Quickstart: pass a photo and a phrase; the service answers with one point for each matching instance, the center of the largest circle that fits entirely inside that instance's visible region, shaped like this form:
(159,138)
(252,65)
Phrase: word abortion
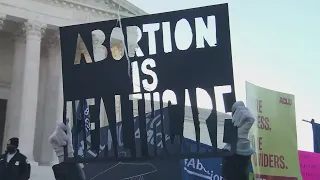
(204,33)
(183,36)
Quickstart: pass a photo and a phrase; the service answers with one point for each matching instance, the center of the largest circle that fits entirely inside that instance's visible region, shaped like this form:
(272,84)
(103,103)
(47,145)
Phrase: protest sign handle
(311,122)
(306,121)
(229,99)
(65,148)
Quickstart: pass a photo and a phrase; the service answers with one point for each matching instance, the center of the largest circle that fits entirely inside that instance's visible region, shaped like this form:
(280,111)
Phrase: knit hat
(14,141)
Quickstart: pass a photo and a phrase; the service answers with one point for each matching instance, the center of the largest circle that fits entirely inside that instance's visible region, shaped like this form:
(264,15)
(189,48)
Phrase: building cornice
(134,9)
(106,8)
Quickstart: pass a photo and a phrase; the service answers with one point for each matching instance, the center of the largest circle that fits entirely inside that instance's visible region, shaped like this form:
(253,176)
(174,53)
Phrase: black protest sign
(155,170)
(153,128)
(151,169)
(163,59)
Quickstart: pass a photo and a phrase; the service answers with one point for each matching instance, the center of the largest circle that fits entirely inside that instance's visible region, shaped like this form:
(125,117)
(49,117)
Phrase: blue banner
(83,126)
(316,136)
(201,169)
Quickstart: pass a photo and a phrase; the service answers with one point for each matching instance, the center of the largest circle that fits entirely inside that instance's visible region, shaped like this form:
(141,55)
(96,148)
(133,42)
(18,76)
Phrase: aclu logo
(286,101)
(195,167)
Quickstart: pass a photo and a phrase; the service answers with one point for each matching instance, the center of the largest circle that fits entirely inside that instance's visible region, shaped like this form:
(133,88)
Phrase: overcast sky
(275,44)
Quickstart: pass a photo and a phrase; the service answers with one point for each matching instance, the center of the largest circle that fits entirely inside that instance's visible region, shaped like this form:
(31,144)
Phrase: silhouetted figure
(236,167)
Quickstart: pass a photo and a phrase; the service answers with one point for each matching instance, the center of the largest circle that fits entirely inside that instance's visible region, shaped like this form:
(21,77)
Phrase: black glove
(67,171)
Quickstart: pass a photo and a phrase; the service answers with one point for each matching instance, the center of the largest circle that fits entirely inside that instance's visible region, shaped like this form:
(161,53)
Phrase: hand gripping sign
(180,52)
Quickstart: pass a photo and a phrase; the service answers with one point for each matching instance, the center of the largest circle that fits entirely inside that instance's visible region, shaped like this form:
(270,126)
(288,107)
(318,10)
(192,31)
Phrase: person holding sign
(59,138)
(236,167)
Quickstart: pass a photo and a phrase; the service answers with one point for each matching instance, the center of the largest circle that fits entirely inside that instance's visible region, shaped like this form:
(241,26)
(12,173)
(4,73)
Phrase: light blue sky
(275,44)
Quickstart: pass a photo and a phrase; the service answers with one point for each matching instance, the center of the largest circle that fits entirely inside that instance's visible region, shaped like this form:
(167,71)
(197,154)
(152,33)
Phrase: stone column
(53,109)
(132,50)
(12,125)
(99,53)
(43,76)
(98,50)
(34,32)
(132,41)
(2,19)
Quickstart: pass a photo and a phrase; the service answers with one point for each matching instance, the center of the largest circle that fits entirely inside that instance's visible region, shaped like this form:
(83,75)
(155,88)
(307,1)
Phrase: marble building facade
(30,65)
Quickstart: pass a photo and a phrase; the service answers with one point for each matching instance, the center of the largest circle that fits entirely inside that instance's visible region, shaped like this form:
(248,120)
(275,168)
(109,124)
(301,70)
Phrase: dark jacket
(17,168)
(68,171)
(236,167)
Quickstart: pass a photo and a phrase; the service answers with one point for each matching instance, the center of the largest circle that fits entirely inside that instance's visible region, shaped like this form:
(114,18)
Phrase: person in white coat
(236,167)
(64,171)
